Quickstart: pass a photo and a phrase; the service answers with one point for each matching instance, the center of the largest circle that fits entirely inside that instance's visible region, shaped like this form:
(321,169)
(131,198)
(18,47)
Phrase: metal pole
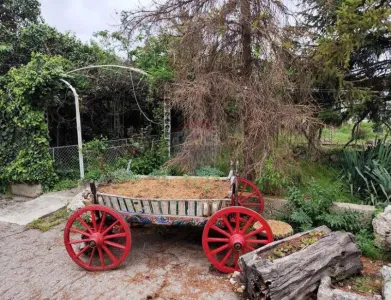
(78,125)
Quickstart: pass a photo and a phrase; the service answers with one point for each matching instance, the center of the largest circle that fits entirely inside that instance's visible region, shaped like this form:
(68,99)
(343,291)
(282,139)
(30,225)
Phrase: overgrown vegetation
(315,209)
(366,241)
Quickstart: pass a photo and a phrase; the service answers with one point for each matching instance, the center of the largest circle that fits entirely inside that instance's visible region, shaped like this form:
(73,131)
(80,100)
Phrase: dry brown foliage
(233,76)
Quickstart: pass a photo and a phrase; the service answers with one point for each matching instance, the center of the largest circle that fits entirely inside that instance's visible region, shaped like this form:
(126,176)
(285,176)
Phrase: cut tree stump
(292,268)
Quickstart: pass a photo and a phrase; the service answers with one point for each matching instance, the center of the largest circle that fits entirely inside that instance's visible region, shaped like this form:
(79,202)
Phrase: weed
(49,221)
(64,184)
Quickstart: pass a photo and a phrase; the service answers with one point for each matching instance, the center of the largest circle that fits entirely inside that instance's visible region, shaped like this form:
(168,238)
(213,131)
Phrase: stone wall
(274,206)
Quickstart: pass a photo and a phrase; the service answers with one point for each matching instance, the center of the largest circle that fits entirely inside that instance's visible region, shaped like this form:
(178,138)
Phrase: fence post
(78,125)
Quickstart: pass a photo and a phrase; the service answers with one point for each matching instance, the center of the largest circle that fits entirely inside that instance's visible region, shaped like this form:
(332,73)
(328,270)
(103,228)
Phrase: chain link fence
(66,158)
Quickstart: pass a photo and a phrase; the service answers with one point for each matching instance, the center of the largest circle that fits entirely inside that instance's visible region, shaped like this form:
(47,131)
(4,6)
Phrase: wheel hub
(237,241)
(237,246)
(96,239)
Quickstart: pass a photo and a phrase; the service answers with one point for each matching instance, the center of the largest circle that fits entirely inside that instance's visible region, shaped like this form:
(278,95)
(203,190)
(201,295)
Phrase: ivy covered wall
(24,144)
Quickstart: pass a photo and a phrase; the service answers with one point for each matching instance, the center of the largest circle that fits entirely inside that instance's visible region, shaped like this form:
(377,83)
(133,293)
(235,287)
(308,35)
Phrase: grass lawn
(342,134)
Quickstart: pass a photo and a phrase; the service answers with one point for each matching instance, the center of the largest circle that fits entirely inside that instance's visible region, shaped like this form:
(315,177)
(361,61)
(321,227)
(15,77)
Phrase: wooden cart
(98,236)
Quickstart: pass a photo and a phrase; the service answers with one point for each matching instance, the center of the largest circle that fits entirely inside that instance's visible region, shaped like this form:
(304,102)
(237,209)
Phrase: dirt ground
(35,265)
(368,283)
(186,188)
(5,201)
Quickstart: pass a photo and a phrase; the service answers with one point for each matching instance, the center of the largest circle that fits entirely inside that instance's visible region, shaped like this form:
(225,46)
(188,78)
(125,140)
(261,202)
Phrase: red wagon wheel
(249,195)
(94,245)
(232,232)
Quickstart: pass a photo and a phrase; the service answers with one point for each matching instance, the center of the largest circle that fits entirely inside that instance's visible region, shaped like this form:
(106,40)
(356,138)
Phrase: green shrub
(315,210)
(93,174)
(117,176)
(151,159)
(273,181)
(94,152)
(64,184)
(209,171)
(362,133)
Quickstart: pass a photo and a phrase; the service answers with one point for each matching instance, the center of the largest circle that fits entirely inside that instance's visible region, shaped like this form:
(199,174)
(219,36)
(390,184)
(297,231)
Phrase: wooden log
(271,275)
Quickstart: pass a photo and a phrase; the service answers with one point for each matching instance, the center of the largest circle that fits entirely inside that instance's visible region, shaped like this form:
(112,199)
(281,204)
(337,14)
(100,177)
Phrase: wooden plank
(205,209)
(137,206)
(100,200)
(181,208)
(114,203)
(215,207)
(146,206)
(190,208)
(129,205)
(173,207)
(121,203)
(164,206)
(107,201)
(155,207)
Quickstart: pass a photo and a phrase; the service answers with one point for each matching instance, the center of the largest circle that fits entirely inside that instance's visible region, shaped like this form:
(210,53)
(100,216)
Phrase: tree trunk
(297,275)
(245,21)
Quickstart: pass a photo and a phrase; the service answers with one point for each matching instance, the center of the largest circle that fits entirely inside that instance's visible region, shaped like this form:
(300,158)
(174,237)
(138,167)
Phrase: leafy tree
(351,46)
(14,15)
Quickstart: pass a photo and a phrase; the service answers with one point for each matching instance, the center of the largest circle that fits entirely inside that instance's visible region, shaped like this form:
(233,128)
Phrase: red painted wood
(229,234)
(246,191)
(97,247)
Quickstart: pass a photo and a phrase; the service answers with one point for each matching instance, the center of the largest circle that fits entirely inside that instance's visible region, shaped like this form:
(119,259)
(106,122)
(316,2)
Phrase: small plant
(369,173)
(207,188)
(366,241)
(64,184)
(208,171)
(117,176)
(95,151)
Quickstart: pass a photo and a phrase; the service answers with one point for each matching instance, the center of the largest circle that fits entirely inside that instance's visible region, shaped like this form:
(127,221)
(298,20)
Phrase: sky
(84,17)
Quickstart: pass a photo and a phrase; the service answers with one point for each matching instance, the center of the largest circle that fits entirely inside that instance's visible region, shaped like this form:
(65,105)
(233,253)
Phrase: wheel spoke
(102,261)
(78,241)
(249,222)
(224,260)
(249,247)
(262,242)
(91,257)
(102,222)
(73,229)
(86,226)
(116,235)
(219,230)
(259,230)
(236,259)
(226,223)
(211,239)
(110,227)
(251,204)
(93,220)
(247,197)
(82,251)
(115,245)
(110,254)
(217,250)
(237,225)
(243,189)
